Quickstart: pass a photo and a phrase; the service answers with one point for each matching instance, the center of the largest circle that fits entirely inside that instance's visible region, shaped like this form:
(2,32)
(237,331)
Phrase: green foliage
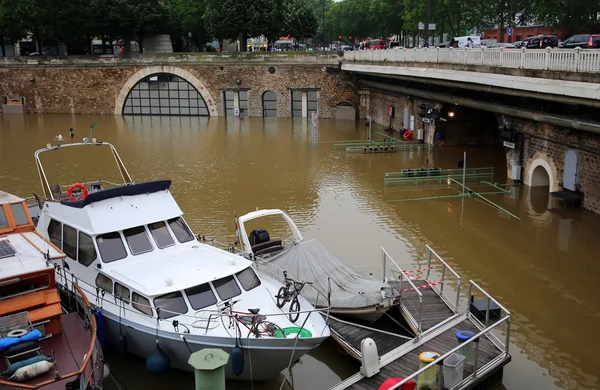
(299,19)
(576,16)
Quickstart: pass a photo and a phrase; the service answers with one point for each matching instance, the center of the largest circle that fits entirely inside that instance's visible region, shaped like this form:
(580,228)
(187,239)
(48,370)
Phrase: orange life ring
(84,192)
(407,135)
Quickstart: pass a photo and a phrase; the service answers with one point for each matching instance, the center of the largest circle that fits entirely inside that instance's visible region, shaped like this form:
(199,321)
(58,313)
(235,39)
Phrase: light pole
(324,24)
(427,23)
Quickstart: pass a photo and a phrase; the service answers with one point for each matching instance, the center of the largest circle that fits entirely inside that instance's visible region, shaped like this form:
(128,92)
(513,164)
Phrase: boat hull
(264,358)
(367,314)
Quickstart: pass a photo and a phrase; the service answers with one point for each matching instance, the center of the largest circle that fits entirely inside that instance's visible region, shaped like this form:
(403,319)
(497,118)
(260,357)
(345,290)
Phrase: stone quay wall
(88,87)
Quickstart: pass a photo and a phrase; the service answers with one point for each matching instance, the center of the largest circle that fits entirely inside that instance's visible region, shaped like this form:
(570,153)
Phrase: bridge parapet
(564,60)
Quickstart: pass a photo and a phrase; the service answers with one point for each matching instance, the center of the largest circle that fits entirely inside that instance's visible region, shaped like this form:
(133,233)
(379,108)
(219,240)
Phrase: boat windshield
(201,296)
(227,288)
(170,305)
(111,247)
(180,230)
(248,279)
(161,234)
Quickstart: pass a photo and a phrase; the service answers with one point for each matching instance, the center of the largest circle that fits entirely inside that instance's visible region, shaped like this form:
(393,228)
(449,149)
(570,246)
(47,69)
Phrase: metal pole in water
(209,368)
(370,127)
(464,171)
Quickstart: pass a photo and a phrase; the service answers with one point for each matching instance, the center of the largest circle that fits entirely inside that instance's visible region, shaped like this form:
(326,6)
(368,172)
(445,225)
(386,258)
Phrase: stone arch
(150,70)
(268,100)
(344,110)
(541,171)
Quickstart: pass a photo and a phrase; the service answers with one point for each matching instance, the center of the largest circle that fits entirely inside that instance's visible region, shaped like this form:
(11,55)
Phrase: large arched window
(164,94)
(269,102)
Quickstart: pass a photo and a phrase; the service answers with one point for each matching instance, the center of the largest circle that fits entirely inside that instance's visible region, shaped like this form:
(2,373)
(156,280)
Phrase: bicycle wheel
(294,310)
(269,329)
(281,297)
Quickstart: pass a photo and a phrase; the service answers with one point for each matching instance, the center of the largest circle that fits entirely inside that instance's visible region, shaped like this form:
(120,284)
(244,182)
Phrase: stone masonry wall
(379,103)
(93,89)
(551,143)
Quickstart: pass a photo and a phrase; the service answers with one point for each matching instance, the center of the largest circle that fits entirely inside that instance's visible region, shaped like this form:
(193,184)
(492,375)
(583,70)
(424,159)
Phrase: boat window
(19,213)
(111,247)
(70,242)
(86,253)
(161,234)
(180,230)
(141,303)
(3,219)
(227,288)
(105,283)
(20,286)
(122,292)
(248,279)
(170,305)
(201,296)
(55,233)
(138,240)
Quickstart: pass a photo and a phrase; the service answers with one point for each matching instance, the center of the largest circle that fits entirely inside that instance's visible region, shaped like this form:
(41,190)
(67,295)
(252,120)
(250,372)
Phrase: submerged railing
(571,60)
(453,302)
(436,175)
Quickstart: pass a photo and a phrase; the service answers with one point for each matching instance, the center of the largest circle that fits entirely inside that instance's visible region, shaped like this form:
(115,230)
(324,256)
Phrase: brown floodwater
(543,268)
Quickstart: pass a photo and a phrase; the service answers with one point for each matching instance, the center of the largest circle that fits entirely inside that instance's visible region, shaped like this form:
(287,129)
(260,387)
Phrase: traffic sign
(509,31)
(431,26)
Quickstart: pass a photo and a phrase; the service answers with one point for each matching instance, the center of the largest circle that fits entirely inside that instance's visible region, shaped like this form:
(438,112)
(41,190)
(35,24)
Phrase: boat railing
(195,321)
(477,371)
(91,358)
(485,310)
(436,266)
(403,281)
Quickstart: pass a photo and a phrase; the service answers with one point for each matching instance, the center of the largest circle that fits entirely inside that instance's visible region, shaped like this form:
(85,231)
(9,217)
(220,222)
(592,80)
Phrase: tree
(143,17)
(190,17)
(299,19)
(12,27)
(389,14)
(576,16)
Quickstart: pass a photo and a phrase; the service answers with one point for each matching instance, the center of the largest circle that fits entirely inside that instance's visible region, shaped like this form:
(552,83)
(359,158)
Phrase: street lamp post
(324,24)
(427,22)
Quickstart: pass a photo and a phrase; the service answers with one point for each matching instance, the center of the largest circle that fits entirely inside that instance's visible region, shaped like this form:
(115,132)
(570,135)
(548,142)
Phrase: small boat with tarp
(45,342)
(351,294)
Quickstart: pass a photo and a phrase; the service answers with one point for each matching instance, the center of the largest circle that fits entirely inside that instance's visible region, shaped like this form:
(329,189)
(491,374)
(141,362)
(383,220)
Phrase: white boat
(351,294)
(159,288)
(44,346)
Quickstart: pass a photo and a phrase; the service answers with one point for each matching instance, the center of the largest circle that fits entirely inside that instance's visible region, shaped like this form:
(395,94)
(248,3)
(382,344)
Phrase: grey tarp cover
(310,261)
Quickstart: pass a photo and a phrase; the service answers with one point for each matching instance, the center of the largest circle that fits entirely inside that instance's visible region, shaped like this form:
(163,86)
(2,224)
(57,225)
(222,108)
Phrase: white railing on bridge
(571,60)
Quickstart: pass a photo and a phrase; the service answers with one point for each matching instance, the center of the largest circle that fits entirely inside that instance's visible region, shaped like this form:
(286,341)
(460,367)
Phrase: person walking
(469,43)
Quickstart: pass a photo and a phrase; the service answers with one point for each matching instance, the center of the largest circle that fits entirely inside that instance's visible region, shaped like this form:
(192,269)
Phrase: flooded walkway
(544,268)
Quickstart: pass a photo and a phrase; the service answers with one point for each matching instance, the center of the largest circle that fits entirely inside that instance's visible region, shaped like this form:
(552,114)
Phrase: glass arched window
(269,102)
(164,94)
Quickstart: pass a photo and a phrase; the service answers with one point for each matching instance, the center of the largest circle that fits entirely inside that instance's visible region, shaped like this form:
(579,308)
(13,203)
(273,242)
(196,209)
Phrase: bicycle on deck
(288,293)
(256,324)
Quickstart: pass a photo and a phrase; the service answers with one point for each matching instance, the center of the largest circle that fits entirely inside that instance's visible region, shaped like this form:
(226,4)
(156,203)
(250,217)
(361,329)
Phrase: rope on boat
(289,368)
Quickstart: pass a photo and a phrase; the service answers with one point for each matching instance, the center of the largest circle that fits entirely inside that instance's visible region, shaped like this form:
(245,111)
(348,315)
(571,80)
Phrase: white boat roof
(117,213)
(192,266)
(6,198)
(29,254)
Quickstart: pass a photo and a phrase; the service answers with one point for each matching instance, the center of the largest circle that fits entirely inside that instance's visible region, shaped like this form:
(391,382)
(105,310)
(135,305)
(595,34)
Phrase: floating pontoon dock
(435,310)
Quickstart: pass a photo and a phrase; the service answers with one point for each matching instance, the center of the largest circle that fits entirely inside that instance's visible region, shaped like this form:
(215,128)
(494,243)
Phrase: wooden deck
(351,335)
(434,310)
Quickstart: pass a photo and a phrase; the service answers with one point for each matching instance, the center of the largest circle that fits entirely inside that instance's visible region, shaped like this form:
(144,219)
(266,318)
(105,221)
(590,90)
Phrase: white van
(462,41)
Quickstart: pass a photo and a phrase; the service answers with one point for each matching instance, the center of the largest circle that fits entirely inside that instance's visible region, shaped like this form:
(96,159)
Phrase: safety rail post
(577,58)
(487,313)
(428,262)
(457,297)
(476,341)
(383,262)
(507,336)
(419,329)
(547,58)
(443,280)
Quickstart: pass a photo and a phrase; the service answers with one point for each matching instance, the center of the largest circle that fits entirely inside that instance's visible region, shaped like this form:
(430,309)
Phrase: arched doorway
(150,71)
(570,173)
(344,110)
(540,177)
(164,94)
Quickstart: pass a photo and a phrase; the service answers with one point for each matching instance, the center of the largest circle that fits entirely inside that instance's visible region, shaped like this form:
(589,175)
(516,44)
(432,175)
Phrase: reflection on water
(543,267)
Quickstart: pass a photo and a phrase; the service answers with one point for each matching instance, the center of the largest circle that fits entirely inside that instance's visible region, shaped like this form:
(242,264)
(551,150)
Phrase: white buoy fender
(31,371)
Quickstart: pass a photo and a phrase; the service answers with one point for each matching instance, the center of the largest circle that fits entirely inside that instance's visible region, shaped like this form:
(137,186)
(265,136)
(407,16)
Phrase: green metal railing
(436,175)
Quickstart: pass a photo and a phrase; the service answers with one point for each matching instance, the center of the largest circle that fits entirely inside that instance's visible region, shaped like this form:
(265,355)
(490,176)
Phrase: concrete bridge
(541,104)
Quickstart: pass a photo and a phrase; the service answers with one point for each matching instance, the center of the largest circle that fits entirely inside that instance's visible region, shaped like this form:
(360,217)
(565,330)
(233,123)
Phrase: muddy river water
(544,267)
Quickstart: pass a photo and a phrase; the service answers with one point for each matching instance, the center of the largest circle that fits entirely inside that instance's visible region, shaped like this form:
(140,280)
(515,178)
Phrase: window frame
(112,287)
(170,313)
(117,294)
(255,275)
(136,305)
(25,214)
(102,257)
(76,247)
(147,239)
(79,248)
(217,288)
(168,231)
(210,288)
(59,244)
(184,225)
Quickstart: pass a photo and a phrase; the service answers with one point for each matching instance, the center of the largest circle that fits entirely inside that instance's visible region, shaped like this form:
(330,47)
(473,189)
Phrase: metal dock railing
(435,309)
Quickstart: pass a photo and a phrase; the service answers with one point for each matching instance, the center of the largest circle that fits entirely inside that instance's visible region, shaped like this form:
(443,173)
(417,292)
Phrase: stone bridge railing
(570,60)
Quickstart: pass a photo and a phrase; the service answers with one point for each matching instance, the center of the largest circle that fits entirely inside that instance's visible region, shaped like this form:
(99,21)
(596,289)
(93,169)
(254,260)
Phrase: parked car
(540,42)
(518,44)
(584,41)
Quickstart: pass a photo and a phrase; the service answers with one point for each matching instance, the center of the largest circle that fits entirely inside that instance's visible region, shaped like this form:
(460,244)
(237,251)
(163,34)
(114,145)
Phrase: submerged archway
(173,88)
